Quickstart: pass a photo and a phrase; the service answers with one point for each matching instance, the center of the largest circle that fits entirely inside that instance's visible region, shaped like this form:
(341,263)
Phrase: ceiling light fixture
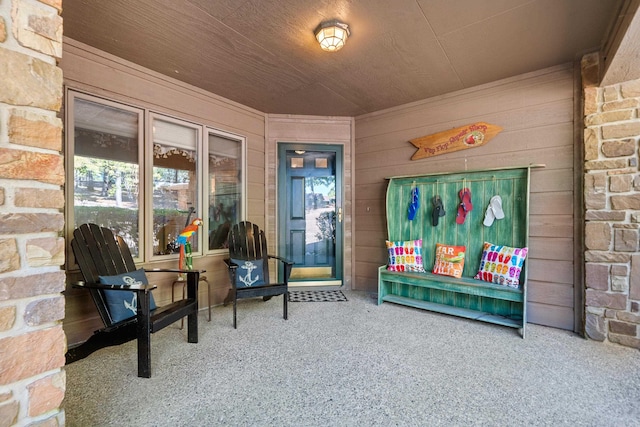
(332,35)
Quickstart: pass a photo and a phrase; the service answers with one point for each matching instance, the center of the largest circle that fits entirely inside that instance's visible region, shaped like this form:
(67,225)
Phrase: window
(106,173)
(174,182)
(147,186)
(225,187)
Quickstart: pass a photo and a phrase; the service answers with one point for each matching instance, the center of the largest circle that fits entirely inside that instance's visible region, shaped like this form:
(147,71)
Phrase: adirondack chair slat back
(248,242)
(99,253)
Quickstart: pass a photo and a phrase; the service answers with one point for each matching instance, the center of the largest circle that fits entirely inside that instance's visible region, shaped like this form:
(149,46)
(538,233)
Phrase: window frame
(148,184)
(207,185)
(146,116)
(71,97)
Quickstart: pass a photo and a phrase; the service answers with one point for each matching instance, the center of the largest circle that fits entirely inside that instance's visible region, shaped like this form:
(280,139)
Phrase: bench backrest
(512,185)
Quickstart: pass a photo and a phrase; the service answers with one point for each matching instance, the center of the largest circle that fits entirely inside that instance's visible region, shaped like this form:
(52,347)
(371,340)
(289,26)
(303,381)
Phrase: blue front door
(310,212)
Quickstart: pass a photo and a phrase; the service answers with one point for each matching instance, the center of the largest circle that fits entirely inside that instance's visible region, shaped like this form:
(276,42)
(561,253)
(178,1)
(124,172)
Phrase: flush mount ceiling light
(332,35)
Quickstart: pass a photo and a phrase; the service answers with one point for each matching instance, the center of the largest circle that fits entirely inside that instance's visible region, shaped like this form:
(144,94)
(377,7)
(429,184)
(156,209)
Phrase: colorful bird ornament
(184,240)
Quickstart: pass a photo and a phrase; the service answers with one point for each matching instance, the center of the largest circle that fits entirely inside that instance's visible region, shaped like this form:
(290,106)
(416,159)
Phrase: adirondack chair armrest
(82,284)
(173,270)
(284,260)
(192,279)
(233,265)
(288,266)
(230,264)
(189,273)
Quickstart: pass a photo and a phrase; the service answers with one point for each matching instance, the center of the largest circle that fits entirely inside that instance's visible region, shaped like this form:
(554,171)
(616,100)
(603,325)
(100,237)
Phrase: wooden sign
(448,141)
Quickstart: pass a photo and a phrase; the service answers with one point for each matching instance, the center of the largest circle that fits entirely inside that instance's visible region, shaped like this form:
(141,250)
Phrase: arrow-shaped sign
(448,141)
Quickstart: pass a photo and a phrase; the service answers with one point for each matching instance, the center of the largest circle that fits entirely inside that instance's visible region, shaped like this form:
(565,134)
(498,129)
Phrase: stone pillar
(612,204)
(32,342)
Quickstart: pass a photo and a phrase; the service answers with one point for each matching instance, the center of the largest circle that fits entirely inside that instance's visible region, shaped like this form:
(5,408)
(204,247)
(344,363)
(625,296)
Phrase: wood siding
(98,73)
(536,112)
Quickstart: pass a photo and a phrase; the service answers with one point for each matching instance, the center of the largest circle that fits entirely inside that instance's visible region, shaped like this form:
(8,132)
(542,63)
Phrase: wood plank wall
(98,73)
(536,112)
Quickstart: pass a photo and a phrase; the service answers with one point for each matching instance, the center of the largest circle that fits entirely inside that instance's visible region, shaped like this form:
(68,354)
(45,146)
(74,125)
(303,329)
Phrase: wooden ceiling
(263,54)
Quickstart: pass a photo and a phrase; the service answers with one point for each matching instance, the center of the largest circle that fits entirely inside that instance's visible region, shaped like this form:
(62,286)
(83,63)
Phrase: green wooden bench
(465,296)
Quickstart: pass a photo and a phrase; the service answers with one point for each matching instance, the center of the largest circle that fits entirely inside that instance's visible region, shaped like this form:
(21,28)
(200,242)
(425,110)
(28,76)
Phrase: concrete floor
(357,364)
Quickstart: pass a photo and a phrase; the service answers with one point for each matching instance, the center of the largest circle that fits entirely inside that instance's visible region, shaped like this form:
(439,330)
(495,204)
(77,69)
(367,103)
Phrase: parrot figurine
(184,240)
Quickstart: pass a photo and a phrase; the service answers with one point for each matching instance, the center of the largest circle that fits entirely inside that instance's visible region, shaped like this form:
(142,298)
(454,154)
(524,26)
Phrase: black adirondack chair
(248,252)
(98,252)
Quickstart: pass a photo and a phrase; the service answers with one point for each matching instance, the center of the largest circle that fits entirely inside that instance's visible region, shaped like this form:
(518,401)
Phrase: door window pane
(106,172)
(225,188)
(175,183)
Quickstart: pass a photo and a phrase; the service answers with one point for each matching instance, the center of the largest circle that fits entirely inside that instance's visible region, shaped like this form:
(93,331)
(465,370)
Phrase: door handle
(339,214)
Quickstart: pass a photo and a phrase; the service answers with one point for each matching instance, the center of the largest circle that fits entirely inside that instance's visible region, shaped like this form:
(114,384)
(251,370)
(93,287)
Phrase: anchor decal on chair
(247,280)
(133,305)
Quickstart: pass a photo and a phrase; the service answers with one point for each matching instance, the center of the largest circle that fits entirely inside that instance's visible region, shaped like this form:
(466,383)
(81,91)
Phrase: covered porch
(576,113)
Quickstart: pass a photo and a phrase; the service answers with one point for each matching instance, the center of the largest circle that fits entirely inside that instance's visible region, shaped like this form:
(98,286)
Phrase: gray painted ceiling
(263,54)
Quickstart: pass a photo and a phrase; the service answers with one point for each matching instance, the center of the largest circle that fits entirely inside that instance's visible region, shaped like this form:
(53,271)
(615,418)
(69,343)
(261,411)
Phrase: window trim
(70,99)
(148,183)
(207,185)
(145,163)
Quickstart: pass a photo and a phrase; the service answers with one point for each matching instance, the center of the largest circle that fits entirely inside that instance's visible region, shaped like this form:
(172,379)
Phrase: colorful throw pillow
(405,255)
(449,260)
(124,304)
(501,264)
(249,273)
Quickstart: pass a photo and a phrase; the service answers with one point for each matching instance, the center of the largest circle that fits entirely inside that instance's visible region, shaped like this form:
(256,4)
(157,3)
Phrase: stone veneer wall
(32,342)
(612,203)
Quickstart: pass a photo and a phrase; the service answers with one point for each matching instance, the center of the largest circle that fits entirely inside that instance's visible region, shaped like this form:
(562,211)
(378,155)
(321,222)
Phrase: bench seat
(463,297)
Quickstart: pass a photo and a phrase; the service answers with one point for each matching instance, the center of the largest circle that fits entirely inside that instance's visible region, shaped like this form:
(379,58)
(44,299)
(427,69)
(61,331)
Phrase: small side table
(183,282)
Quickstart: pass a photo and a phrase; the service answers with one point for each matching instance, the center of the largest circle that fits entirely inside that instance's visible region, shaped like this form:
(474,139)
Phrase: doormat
(316,296)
